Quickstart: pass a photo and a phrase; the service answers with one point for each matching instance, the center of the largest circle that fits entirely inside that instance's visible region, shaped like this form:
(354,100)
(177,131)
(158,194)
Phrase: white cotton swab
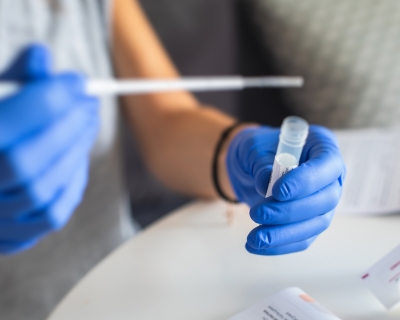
(101,87)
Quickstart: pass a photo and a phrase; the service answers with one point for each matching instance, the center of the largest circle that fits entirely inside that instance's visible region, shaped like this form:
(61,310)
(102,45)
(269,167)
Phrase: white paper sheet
(383,279)
(372,157)
(289,304)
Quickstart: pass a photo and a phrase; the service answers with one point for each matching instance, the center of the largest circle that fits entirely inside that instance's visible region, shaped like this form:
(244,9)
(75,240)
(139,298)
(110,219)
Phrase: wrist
(223,175)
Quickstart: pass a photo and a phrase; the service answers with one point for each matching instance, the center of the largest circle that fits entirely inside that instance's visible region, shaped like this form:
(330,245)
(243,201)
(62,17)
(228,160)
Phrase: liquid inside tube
(294,132)
(287,160)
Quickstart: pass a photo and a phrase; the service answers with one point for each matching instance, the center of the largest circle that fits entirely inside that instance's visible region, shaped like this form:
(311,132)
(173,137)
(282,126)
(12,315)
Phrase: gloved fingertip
(282,192)
(254,213)
(265,252)
(258,239)
(33,62)
(252,250)
(39,62)
(261,213)
(282,250)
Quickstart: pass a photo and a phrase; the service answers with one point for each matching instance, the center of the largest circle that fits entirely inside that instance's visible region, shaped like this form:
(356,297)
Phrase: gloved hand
(47,130)
(303,200)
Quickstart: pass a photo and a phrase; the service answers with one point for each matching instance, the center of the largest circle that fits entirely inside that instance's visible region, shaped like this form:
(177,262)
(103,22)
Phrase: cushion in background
(347,50)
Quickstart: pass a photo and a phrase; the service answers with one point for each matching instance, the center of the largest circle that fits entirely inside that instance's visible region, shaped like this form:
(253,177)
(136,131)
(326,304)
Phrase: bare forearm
(139,53)
(180,153)
(176,134)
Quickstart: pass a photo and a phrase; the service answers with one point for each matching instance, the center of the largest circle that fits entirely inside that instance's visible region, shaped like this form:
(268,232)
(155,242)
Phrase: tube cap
(294,131)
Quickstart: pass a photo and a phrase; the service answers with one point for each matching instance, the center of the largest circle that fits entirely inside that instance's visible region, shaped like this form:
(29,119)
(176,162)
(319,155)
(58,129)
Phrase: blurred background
(347,51)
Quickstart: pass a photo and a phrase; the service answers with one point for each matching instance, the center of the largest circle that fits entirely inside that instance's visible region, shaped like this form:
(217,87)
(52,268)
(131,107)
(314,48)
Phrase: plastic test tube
(294,132)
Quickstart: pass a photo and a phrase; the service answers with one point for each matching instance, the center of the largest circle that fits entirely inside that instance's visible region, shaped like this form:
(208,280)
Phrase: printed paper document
(372,184)
(383,279)
(289,304)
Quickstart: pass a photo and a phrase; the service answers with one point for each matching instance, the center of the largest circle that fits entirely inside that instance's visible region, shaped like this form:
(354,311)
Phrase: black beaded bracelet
(222,139)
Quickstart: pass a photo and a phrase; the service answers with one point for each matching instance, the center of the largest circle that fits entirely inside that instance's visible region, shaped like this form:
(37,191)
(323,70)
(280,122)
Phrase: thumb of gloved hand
(249,162)
(32,63)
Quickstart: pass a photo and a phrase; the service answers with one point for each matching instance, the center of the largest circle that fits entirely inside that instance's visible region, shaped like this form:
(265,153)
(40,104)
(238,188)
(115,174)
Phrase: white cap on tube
(294,131)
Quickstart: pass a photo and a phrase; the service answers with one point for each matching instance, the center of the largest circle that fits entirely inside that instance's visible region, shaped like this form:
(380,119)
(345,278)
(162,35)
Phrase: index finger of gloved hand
(33,62)
(273,212)
(323,165)
(286,249)
(36,105)
(264,236)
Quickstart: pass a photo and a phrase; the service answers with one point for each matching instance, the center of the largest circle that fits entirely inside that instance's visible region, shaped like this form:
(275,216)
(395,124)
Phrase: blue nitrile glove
(47,130)
(303,200)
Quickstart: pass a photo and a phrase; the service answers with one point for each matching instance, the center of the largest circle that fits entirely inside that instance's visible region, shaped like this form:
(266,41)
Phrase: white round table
(193,265)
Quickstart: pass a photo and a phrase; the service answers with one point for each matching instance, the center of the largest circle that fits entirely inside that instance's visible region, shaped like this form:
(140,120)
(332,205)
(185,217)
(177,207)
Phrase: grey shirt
(32,283)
